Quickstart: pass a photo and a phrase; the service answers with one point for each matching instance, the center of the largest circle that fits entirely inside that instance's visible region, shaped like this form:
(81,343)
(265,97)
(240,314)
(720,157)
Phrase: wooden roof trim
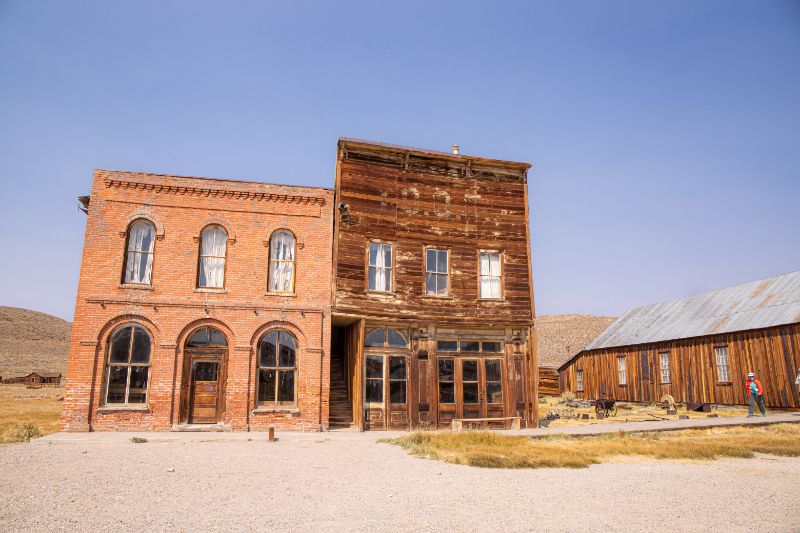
(214,192)
(345,142)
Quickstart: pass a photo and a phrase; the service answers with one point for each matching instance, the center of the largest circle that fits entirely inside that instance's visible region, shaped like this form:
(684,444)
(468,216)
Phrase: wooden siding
(414,210)
(548,381)
(773,354)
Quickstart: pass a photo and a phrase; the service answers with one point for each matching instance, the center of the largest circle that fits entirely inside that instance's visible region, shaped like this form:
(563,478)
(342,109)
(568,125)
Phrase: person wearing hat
(754,392)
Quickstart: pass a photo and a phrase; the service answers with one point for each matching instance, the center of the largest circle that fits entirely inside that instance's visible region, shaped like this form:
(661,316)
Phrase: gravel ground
(345,482)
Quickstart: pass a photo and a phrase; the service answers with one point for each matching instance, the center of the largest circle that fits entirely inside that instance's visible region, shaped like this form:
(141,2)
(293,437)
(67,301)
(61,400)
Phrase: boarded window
(128,368)
(644,364)
(380,267)
(622,374)
(277,365)
(447,394)
(723,367)
(664,360)
(436,272)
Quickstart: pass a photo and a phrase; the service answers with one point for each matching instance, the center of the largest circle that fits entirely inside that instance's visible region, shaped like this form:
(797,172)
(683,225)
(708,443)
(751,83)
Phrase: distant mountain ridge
(32,341)
(562,336)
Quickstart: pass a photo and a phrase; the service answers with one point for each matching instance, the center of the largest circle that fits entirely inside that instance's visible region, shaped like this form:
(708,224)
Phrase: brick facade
(171,307)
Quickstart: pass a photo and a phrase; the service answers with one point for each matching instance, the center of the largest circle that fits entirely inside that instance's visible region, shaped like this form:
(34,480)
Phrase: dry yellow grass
(19,406)
(492,450)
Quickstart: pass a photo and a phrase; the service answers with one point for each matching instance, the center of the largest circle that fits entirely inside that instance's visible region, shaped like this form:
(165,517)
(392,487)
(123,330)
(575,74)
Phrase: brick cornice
(212,192)
(168,302)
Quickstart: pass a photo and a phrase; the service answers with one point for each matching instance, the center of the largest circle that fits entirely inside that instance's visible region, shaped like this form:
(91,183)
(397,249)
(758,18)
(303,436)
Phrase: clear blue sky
(665,136)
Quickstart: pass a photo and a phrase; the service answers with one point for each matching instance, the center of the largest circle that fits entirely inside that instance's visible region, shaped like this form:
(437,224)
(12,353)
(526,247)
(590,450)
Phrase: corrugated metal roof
(761,304)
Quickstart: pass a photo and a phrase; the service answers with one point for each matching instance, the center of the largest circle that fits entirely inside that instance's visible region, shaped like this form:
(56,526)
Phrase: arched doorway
(204,371)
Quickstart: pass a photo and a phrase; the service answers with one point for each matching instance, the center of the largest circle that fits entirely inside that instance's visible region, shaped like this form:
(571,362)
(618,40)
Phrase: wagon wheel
(598,407)
(611,409)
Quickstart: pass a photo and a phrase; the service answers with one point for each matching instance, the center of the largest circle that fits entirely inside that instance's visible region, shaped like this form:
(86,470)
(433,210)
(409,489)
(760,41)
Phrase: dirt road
(345,482)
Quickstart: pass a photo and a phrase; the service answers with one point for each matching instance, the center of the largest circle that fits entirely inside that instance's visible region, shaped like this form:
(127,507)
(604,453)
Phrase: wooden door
(472,401)
(204,397)
(386,397)
(397,391)
(375,392)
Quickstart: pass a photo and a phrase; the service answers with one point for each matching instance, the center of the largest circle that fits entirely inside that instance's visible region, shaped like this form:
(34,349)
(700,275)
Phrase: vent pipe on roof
(455,149)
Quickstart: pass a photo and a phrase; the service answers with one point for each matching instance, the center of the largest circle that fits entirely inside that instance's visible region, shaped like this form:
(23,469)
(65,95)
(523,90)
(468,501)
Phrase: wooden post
(271,437)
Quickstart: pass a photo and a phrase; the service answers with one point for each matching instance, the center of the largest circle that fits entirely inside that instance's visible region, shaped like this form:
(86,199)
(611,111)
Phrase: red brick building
(201,301)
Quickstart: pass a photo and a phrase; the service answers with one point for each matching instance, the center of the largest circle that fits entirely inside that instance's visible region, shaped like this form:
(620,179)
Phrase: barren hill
(562,336)
(32,341)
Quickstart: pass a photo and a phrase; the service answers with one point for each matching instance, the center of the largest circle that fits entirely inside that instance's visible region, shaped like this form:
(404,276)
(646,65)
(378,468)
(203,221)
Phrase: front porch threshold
(201,428)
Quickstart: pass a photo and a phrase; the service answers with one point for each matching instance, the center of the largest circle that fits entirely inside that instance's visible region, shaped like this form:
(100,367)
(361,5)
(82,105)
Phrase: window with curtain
(380,267)
(622,374)
(128,367)
(281,262)
(723,367)
(436,272)
(139,252)
(664,360)
(491,275)
(213,244)
(277,365)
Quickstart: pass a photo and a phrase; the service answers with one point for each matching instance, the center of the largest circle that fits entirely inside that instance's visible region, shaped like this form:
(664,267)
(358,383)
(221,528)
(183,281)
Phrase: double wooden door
(470,388)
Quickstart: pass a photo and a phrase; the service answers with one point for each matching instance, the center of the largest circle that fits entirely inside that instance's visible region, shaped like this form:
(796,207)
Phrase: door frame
(384,406)
(190,357)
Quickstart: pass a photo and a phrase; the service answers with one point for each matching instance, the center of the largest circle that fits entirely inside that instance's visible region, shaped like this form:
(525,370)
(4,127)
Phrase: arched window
(385,337)
(139,252)
(281,262)
(128,368)
(213,245)
(277,365)
(206,337)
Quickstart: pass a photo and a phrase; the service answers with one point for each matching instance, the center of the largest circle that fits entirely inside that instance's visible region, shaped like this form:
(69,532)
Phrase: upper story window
(385,338)
(491,275)
(437,268)
(213,248)
(380,267)
(281,262)
(723,366)
(128,366)
(139,253)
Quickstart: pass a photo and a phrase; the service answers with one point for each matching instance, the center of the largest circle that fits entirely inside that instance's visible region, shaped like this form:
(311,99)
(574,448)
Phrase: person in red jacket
(755,392)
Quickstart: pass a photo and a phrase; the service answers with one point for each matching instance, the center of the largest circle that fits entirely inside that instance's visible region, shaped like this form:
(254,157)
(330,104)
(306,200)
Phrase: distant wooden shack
(698,349)
(37,379)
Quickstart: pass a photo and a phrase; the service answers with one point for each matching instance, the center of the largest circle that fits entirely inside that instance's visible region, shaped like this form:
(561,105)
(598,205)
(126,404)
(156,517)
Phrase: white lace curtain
(139,263)
(214,240)
(281,262)
(380,267)
(490,275)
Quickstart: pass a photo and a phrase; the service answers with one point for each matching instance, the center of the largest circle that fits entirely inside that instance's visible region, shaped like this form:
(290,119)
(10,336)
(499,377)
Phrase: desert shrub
(138,440)
(23,432)
(568,396)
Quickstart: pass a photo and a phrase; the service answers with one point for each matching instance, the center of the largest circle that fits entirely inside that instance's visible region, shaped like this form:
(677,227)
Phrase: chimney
(455,149)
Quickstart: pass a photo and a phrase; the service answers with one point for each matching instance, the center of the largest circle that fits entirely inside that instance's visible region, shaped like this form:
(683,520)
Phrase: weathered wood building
(432,292)
(37,379)
(698,349)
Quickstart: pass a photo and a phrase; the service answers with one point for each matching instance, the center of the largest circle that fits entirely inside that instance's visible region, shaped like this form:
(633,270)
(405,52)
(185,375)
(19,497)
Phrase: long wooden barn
(698,349)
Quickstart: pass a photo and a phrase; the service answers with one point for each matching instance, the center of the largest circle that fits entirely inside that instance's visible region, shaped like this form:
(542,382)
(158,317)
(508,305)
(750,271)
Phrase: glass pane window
(579,380)
(664,362)
(446,381)
(382,337)
(213,248)
(139,252)
(470,346)
(622,373)
(490,275)
(447,346)
(380,267)
(395,339)
(374,388)
(281,262)
(723,368)
(207,337)
(376,337)
(397,379)
(277,366)
(491,346)
(494,380)
(469,381)
(436,272)
(128,367)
